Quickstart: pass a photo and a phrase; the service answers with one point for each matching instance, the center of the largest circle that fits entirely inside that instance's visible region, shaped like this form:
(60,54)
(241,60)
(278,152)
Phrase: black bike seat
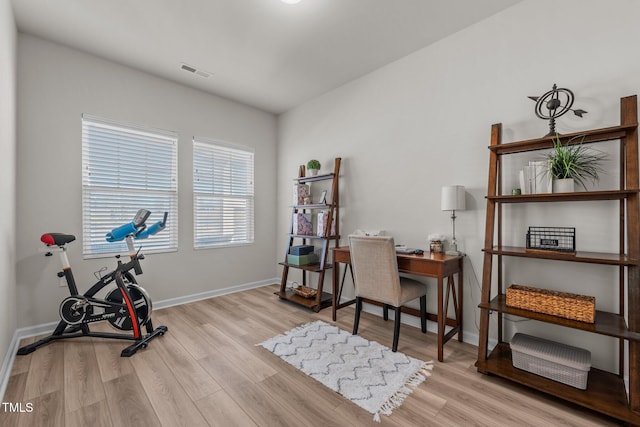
(58,239)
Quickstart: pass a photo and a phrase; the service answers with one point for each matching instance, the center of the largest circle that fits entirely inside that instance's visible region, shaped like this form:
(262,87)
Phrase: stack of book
(323,219)
(536,178)
(300,193)
(302,255)
(302,224)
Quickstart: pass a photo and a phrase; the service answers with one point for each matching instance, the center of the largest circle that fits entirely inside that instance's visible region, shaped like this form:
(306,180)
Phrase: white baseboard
(213,293)
(18,335)
(7,363)
(30,331)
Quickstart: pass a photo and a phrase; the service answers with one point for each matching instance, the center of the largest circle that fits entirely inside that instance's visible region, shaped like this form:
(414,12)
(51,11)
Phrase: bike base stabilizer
(85,332)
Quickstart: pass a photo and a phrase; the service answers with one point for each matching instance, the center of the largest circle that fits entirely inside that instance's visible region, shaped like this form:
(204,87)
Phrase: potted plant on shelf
(313,166)
(573,163)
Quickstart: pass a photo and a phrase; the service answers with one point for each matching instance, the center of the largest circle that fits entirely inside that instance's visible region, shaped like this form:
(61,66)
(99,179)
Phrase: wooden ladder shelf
(606,392)
(331,207)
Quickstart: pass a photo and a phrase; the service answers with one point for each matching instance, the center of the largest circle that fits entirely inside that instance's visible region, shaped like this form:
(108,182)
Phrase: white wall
(55,86)
(424,121)
(8,40)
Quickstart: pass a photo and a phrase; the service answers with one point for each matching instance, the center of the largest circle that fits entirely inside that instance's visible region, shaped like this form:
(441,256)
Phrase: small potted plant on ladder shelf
(573,163)
(313,166)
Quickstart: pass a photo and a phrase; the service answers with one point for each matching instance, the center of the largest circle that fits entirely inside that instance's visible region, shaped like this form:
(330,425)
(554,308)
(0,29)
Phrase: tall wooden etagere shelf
(332,207)
(606,392)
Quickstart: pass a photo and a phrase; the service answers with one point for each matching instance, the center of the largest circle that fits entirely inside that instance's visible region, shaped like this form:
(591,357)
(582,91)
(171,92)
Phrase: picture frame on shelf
(323,198)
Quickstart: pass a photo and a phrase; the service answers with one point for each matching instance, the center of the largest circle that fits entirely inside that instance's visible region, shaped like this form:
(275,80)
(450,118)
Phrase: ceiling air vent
(195,71)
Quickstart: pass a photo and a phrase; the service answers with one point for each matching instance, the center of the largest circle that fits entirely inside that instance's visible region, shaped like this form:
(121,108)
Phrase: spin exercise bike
(126,307)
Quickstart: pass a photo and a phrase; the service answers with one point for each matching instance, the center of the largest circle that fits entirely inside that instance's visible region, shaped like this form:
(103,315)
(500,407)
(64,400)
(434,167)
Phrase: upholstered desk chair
(375,268)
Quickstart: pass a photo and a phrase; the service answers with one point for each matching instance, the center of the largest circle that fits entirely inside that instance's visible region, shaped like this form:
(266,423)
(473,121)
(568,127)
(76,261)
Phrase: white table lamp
(453,200)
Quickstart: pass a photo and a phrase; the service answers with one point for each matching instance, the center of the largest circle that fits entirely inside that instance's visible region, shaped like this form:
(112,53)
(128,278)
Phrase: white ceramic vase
(565,185)
(312,172)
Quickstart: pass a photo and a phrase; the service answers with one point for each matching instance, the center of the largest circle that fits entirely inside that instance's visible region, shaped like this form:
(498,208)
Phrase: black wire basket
(558,239)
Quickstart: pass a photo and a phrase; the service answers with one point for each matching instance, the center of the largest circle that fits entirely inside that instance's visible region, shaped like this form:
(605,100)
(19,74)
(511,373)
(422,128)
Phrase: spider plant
(576,161)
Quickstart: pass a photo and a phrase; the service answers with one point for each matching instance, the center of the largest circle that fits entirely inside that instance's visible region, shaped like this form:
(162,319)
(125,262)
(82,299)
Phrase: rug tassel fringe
(398,397)
(306,325)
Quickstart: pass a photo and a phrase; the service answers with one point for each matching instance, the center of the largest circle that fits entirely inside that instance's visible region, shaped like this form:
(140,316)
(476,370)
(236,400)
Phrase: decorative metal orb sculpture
(555,103)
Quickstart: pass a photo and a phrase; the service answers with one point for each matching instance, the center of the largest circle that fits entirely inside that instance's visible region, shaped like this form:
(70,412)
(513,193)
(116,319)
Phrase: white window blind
(126,168)
(223,194)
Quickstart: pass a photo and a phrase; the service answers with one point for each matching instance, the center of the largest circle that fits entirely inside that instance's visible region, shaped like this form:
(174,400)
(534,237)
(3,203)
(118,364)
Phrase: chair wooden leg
(357,318)
(385,311)
(423,313)
(396,330)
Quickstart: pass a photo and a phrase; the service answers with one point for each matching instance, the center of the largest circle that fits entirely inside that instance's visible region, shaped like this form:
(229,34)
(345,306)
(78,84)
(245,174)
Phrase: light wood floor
(208,371)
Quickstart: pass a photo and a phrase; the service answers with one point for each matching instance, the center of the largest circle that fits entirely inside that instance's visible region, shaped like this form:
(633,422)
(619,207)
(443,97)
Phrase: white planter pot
(312,172)
(565,185)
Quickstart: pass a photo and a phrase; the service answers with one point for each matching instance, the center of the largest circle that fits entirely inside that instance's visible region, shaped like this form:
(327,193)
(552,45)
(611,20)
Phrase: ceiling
(264,53)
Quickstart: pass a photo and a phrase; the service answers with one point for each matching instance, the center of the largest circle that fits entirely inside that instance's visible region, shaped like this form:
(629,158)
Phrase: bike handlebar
(136,228)
(119,233)
(155,228)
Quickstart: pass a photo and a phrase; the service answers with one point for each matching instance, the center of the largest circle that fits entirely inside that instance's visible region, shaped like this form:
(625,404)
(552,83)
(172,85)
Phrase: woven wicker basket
(305,291)
(561,304)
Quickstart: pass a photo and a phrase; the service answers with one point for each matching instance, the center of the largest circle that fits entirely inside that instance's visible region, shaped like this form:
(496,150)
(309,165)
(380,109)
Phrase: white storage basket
(559,362)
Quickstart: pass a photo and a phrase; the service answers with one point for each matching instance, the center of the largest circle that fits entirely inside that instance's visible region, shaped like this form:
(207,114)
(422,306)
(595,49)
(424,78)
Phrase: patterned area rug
(365,372)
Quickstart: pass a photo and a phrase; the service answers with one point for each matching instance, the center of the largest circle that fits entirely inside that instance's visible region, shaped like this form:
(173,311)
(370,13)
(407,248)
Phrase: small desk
(439,266)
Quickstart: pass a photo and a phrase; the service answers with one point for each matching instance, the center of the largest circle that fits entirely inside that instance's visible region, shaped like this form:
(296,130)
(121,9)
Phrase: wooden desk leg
(441,317)
(460,307)
(334,290)
(457,307)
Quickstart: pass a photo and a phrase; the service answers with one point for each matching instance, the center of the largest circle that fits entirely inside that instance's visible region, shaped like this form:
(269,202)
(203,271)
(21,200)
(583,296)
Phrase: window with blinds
(126,168)
(223,194)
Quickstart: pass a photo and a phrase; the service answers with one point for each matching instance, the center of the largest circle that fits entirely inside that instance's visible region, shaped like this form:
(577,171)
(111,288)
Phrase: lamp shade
(452,198)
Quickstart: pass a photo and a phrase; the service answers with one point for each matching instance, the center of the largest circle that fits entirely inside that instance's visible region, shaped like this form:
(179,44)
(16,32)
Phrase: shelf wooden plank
(313,206)
(580,256)
(605,391)
(325,300)
(565,197)
(313,236)
(323,177)
(308,267)
(590,136)
(610,324)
